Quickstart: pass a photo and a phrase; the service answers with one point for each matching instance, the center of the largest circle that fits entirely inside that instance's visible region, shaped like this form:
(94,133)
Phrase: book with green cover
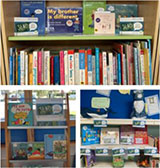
(89,7)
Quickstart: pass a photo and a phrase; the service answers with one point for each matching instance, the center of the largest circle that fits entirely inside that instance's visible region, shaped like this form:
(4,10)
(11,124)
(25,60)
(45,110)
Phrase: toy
(138,110)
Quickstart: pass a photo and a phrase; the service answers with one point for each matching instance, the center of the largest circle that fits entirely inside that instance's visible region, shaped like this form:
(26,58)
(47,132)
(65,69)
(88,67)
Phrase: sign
(85,151)
(101,151)
(100,123)
(126,140)
(139,123)
(118,151)
(133,151)
(150,151)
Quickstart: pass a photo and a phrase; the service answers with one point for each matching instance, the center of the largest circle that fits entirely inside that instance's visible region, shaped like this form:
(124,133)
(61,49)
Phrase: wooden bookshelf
(10,9)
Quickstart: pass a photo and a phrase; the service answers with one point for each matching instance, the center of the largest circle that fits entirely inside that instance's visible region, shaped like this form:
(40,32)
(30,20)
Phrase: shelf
(79,37)
(39,127)
(38,160)
(156,156)
(120,121)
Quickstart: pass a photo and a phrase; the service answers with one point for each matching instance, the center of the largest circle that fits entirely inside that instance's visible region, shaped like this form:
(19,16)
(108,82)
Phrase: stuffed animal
(138,110)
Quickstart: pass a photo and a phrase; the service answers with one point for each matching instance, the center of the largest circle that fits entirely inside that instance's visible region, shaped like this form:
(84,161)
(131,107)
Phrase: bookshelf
(30,134)
(11,9)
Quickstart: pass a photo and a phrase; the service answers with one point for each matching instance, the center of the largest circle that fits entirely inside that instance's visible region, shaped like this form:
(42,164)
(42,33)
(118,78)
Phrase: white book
(142,68)
(71,69)
(46,68)
(104,58)
(22,53)
(93,70)
(66,67)
(26,68)
(110,56)
(35,57)
(124,69)
(89,70)
(77,75)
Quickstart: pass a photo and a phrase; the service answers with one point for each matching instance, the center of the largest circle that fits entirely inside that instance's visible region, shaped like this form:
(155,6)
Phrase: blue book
(37,9)
(19,70)
(11,66)
(82,66)
(135,53)
(89,62)
(56,70)
(97,65)
(64,20)
(48,143)
(119,68)
(150,61)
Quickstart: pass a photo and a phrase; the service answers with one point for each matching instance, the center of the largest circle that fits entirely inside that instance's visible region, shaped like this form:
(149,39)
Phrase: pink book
(39,68)
(130,65)
(62,78)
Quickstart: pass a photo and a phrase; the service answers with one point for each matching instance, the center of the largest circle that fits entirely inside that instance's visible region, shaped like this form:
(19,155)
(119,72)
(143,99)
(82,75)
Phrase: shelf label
(150,151)
(118,151)
(139,123)
(100,123)
(133,151)
(85,151)
(101,151)
(126,140)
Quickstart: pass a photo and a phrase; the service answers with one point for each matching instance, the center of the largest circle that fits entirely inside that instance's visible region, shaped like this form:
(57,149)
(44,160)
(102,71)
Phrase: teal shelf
(79,37)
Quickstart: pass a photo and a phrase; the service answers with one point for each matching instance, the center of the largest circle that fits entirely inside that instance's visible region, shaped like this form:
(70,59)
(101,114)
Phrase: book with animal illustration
(48,143)
(20,114)
(60,149)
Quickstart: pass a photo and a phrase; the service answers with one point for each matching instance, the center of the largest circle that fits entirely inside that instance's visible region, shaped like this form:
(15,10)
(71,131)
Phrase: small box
(25,26)
(132,26)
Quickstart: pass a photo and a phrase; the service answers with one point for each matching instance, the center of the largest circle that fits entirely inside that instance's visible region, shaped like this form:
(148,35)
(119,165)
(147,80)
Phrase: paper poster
(152,105)
(104,92)
(100,102)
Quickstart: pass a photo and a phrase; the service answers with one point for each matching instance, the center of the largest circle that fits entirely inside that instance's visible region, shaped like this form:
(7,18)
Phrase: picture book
(141,136)
(110,136)
(64,20)
(35,9)
(19,151)
(104,23)
(59,149)
(35,150)
(48,142)
(20,114)
(90,135)
(90,160)
(126,134)
(122,10)
(89,9)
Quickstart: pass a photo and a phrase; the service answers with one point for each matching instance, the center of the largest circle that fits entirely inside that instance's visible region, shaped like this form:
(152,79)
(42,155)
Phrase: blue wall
(120,105)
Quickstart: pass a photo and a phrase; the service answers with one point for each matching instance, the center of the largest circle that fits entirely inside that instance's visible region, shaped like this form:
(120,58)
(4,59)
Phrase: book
(122,10)
(71,67)
(64,20)
(62,76)
(100,69)
(93,70)
(76,65)
(104,62)
(89,8)
(104,23)
(89,59)
(56,70)
(91,159)
(30,73)
(20,114)
(97,66)
(35,58)
(40,56)
(86,67)
(140,136)
(35,9)
(11,66)
(52,70)
(46,67)
(126,134)
(82,66)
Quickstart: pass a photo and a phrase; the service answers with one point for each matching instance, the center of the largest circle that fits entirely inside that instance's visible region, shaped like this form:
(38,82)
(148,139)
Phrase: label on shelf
(126,140)
(118,151)
(150,151)
(132,151)
(139,123)
(85,151)
(101,151)
(100,123)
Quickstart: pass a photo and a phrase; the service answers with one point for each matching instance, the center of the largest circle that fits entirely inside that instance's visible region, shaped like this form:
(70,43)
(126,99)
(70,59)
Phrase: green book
(89,7)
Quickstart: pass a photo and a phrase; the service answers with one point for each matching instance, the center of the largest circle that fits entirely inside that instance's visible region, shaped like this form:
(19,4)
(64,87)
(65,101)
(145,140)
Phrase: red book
(140,136)
(39,67)
(100,69)
(86,68)
(130,65)
(62,80)
(52,70)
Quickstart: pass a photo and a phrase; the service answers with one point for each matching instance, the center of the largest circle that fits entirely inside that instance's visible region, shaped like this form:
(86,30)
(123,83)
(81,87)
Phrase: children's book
(91,159)
(122,10)
(89,9)
(20,114)
(59,149)
(35,150)
(48,141)
(127,134)
(64,20)
(141,136)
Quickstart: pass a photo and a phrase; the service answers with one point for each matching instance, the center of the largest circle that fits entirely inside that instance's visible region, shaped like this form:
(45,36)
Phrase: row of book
(53,147)
(127,63)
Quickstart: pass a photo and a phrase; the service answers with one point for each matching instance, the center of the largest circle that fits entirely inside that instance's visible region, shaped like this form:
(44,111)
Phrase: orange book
(30,75)
(86,68)
(146,67)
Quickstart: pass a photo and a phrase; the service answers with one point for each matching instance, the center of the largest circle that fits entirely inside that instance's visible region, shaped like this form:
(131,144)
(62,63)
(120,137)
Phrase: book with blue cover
(97,65)
(48,141)
(64,20)
(56,70)
(30,8)
(12,50)
(20,114)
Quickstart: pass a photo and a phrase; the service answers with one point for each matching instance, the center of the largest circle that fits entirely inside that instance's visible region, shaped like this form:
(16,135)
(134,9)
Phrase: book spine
(104,69)
(100,69)
(110,55)
(93,70)
(16,68)
(46,67)
(139,67)
(86,68)
(150,61)
(71,67)
(124,70)
(35,68)
(119,68)
(146,65)
(89,62)
(97,65)
(11,66)
(39,67)
(82,66)
(56,70)
(136,66)
(30,80)
(19,70)
(22,67)
(42,63)
(142,67)
(77,75)
(130,65)
(114,71)
(52,70)
(62,77)
(66,67)
(26,68)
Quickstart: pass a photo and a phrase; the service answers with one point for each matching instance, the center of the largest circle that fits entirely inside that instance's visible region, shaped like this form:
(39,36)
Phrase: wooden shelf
(38,160)
(38,127)
(120,121)
(79,37)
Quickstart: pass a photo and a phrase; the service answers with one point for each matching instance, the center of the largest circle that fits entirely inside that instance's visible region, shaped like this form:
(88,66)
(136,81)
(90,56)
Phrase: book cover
(46,67)
(109,136)
(66,66)
(122,10)
(60,149)
(16,82)
(142,66)
(35,9)
(100,69)
(126,134)
(30,73)
(62,76)
(119,68)
(39,67)
(27,68)
(89,62)
(91,159)
(64,20)
(97,66)
(20,114)
(140,136)
(48,141)
(110,75)
(76,65)
(82,66)
(89,8)
(11,65)
(52,70)
(135,53)
(56,70)
(71,67)
(86,67)
(104,23)
(93,70)
(35,59)
(104,57)
(146,66)
(22,53)
(19,69)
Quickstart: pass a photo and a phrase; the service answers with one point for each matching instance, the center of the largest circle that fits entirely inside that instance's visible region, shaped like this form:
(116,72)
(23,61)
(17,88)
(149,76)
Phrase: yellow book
(146,67)
(30,75)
